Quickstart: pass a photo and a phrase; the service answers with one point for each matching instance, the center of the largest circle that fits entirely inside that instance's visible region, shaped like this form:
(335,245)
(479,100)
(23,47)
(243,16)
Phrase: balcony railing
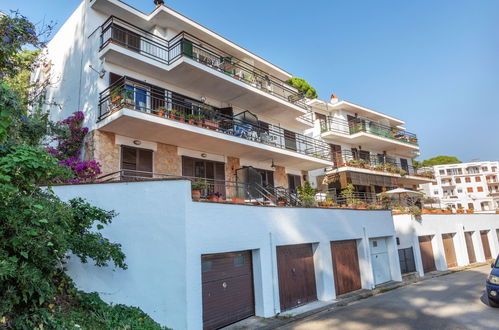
(118,32)
(364,125)
(124,93)
(382,163)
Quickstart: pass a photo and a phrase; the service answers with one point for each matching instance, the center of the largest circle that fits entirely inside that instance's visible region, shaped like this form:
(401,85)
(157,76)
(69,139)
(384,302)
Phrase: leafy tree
(37,229)
(303,86)
(438,160)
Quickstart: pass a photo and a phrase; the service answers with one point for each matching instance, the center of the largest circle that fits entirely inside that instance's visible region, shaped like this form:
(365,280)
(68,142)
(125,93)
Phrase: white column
(324,275)
(437,244)
(365,263)
(262,282)
(460,246)
(393,257)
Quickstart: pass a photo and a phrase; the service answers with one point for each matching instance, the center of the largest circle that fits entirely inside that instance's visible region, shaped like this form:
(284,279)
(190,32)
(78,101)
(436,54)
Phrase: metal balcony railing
(382,163)
(119,32)
(123,94)
(365,125)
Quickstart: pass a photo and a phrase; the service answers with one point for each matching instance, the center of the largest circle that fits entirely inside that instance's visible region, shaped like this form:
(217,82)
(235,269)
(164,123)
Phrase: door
(486,245)
(137,161)
(449,250)
(213,172)
(427,257)
(295,267)
(227,288)
(469,246)
(345,266)
(294,181)
(407,263)
(380,261)
(336,155)
(290,140)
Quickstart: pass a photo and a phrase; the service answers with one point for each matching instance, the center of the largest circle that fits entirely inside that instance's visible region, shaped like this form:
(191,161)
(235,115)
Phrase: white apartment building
(369,149)
(466,186)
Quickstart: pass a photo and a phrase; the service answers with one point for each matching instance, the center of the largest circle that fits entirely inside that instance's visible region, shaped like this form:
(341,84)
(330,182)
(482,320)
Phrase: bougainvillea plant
(70,140)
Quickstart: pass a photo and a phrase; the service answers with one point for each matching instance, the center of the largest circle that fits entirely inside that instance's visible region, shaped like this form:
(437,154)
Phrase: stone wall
(231,166)
(101,147)
(280,177)
(167,160)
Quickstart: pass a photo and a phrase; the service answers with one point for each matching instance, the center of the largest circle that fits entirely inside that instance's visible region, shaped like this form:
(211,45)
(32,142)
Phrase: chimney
(159,3)
(334,98)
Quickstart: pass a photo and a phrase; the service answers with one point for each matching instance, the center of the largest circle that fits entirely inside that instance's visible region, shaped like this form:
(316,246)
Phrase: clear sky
(431,63)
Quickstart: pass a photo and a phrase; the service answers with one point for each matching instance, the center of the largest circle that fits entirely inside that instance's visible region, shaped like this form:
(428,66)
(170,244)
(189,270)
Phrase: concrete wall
(164,234)
(408,230)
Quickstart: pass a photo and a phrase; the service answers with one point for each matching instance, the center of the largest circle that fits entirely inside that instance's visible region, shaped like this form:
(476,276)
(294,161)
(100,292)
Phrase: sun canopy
(402,192)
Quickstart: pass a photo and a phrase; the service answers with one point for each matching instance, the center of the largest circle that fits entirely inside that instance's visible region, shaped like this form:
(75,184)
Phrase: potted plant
(470,210)
(362,163)
(161,111)
(211,124)
(281,201)
(196,187)
(181,117)
(415,211)
(199,120)
(215,197)
(116,95)
(191,118)
(173,114)
(460,210)
(307,195)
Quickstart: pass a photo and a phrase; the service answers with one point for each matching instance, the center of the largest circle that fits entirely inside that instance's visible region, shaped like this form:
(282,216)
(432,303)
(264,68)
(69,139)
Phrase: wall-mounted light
(101,73)
(273,165)
(204,155)
(137,142)
(203,99)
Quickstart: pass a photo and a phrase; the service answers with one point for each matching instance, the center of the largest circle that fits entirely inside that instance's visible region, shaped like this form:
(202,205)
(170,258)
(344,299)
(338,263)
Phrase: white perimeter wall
(408,230)
(164,234)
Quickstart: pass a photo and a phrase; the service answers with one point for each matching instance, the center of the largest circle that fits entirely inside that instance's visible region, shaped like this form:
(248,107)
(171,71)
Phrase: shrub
(303,86)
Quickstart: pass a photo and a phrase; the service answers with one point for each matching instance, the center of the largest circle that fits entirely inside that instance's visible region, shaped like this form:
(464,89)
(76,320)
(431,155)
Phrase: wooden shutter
(187,166)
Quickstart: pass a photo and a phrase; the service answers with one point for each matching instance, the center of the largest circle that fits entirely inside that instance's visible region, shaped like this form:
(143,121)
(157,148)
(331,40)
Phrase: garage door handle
(224,285)
(293,270)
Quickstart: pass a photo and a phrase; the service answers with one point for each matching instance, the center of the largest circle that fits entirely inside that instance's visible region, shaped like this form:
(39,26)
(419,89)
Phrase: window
(294,181)
(473,170)
(494,169)
(435,192)
(477,179)
(137,161)
(442,172)
(467,180)
(480,189)
(459,190)
(485,169)
(458,180)
(469,189)
(470,206)
(459,206)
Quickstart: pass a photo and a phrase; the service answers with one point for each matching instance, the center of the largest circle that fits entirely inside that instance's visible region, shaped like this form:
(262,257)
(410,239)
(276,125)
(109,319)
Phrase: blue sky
(434,64)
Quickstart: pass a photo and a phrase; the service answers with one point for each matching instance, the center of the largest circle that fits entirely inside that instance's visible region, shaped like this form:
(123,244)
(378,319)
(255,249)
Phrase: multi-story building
(369,149)
(466,186)
(163,94)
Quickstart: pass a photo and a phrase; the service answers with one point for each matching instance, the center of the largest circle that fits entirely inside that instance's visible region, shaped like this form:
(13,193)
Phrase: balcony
(373,164)
(127,110)
(370,134)
(191,63)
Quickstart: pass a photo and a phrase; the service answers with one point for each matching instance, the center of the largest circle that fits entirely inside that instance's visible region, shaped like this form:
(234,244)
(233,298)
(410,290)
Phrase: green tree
(303,86)
(438,160)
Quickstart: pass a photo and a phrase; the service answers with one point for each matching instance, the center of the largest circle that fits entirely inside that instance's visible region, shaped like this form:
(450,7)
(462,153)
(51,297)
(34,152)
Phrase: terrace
(197,125)
(357,128)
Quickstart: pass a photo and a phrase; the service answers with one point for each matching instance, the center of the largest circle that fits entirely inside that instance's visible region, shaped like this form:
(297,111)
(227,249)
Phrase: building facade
(370,150)
(466,186)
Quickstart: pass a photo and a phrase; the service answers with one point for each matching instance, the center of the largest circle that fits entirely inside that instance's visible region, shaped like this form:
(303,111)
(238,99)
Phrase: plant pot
(196,195)
(181,119)
(199,124)
(161,113)
(281,203)
(116,99)
(425,211)
(469,211)
(213,125)
(213,198)
(190,121)
(447,212)
(238,200)
(171,116)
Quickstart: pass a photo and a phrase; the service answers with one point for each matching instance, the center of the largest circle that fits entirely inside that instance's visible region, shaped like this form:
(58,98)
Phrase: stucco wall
(164,234)
(408,230)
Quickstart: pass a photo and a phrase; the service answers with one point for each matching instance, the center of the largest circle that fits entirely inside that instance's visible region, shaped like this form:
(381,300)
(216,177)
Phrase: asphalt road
(455,301)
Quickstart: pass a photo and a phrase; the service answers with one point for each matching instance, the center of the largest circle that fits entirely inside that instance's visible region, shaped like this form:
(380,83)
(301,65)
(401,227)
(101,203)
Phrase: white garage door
(380,262)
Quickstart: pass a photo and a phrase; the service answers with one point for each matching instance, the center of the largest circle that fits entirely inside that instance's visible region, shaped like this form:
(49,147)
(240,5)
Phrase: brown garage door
(470,247)
(450,251)
(486,245)
(345,266)
(427,254)
(295,264)
(227,288)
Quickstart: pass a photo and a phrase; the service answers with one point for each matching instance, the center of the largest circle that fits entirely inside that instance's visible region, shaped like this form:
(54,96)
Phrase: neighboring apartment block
(370,150)
(466,186)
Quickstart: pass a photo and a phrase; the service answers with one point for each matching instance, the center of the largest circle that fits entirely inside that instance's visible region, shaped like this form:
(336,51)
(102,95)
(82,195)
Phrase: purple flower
(24,118)
(100,242)
(7,39)
(30,30)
